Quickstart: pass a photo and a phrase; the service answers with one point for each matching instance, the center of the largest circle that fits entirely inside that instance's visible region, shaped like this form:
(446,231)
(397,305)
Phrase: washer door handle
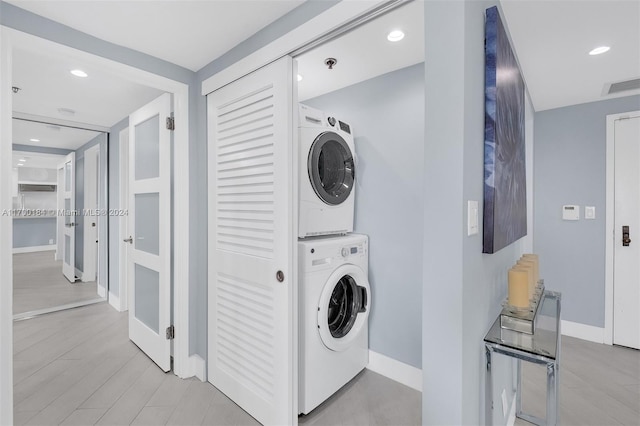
(363,299)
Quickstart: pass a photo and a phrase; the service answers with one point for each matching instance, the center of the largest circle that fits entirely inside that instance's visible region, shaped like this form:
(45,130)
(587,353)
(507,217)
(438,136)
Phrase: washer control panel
(320,254)
(352,250)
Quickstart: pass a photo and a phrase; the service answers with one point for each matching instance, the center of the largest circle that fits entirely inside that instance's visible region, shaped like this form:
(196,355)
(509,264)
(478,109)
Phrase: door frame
(91,182)
(121,303)
(183,365)
(610,223)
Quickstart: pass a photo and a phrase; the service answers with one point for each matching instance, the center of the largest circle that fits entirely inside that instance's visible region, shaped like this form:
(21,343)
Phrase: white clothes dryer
(335,300)
(327,174)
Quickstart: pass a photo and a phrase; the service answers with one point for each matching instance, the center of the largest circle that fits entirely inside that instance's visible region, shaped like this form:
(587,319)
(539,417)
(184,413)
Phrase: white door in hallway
(626,287)
(149,242)
(252,333)
(67,170)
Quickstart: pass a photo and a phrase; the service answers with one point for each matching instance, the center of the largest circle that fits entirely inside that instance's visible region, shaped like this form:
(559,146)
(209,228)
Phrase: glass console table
(541,347)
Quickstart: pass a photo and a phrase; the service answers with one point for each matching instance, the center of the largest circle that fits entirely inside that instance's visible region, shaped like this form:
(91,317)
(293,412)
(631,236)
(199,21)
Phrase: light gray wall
(386,114)
(570,163)
(33,232)
(463,288)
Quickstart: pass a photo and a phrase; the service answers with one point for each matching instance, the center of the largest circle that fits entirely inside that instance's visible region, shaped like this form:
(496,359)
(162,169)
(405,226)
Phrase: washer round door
(331,168)
(344,307)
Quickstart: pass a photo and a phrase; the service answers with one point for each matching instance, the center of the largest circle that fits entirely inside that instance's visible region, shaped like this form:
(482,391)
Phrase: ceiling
(37,160)
(186,32)
(355,63)
(43,74)
(552,40)
(50,136)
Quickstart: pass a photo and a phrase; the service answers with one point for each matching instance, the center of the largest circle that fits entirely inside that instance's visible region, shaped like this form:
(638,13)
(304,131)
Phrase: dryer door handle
(363,299)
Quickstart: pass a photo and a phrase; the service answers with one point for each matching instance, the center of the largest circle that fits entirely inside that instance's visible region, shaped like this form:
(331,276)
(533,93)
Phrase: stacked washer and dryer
(334,288)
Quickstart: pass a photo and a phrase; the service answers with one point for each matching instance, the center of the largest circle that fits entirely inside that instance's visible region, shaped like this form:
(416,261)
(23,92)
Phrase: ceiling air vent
(622,86)
(31,187)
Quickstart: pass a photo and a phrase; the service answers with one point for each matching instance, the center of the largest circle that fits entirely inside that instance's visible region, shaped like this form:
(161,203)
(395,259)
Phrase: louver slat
(245,170)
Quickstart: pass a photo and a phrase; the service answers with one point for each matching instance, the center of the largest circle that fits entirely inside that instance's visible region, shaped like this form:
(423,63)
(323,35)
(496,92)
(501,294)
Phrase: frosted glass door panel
(147,296)
(67,177)
(147,210)
(67,250)
(147,149)
(67,211)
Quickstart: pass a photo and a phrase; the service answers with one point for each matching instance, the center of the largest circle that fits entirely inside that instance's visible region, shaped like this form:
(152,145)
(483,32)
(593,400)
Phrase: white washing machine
(335,299)
(327,174)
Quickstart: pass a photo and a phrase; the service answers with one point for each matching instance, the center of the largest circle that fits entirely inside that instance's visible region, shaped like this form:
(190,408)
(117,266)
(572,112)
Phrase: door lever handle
(625,236)
(128,240)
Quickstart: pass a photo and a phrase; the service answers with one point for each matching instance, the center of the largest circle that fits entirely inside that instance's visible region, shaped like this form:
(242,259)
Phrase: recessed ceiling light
(395,35)
(22,160)
(79,73)
(34,140)
(599,50)
(21,164)
(299,77)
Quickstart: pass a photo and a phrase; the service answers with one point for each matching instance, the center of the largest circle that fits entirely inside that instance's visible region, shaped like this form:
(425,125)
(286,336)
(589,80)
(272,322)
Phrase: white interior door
(68,188)
(626,287)
(91,157)
(252,332)
(149,257)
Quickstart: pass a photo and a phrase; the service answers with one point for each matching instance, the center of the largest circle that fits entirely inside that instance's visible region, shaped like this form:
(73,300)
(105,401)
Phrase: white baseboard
(197,367)
(395,370)
(582,331)
(101,291)
(115,302)
(33,249)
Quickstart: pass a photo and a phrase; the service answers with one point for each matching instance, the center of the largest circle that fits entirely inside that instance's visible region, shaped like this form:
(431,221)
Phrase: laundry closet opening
(367,87)
(315,210)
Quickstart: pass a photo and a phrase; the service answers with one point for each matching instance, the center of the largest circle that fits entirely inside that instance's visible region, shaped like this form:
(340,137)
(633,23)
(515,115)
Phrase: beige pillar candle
(530,276)
(534,265)
(518,288)
(536,259)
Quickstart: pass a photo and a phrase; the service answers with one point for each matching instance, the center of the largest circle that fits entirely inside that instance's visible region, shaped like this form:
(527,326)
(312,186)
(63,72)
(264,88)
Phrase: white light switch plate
(472,217)
(589,212)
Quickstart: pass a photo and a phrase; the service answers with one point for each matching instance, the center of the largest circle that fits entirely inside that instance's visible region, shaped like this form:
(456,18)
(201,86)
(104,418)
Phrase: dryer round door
(344,307)
(331,168)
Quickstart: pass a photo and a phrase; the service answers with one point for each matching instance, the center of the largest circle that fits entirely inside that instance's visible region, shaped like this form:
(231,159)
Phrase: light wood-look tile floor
(79,367)
(38,283)
(599,385)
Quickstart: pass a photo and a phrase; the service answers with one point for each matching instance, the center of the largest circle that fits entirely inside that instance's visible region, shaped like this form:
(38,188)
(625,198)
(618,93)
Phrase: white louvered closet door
(252,315)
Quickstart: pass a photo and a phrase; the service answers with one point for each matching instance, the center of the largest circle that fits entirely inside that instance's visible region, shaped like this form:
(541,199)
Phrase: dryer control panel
(322,253)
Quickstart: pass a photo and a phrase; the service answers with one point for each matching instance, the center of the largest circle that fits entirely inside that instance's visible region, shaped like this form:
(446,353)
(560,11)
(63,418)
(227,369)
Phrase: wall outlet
(504,403)
(50,241)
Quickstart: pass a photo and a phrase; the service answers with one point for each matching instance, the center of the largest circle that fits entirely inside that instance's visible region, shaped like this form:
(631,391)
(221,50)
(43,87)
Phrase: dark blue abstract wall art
(505,196)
